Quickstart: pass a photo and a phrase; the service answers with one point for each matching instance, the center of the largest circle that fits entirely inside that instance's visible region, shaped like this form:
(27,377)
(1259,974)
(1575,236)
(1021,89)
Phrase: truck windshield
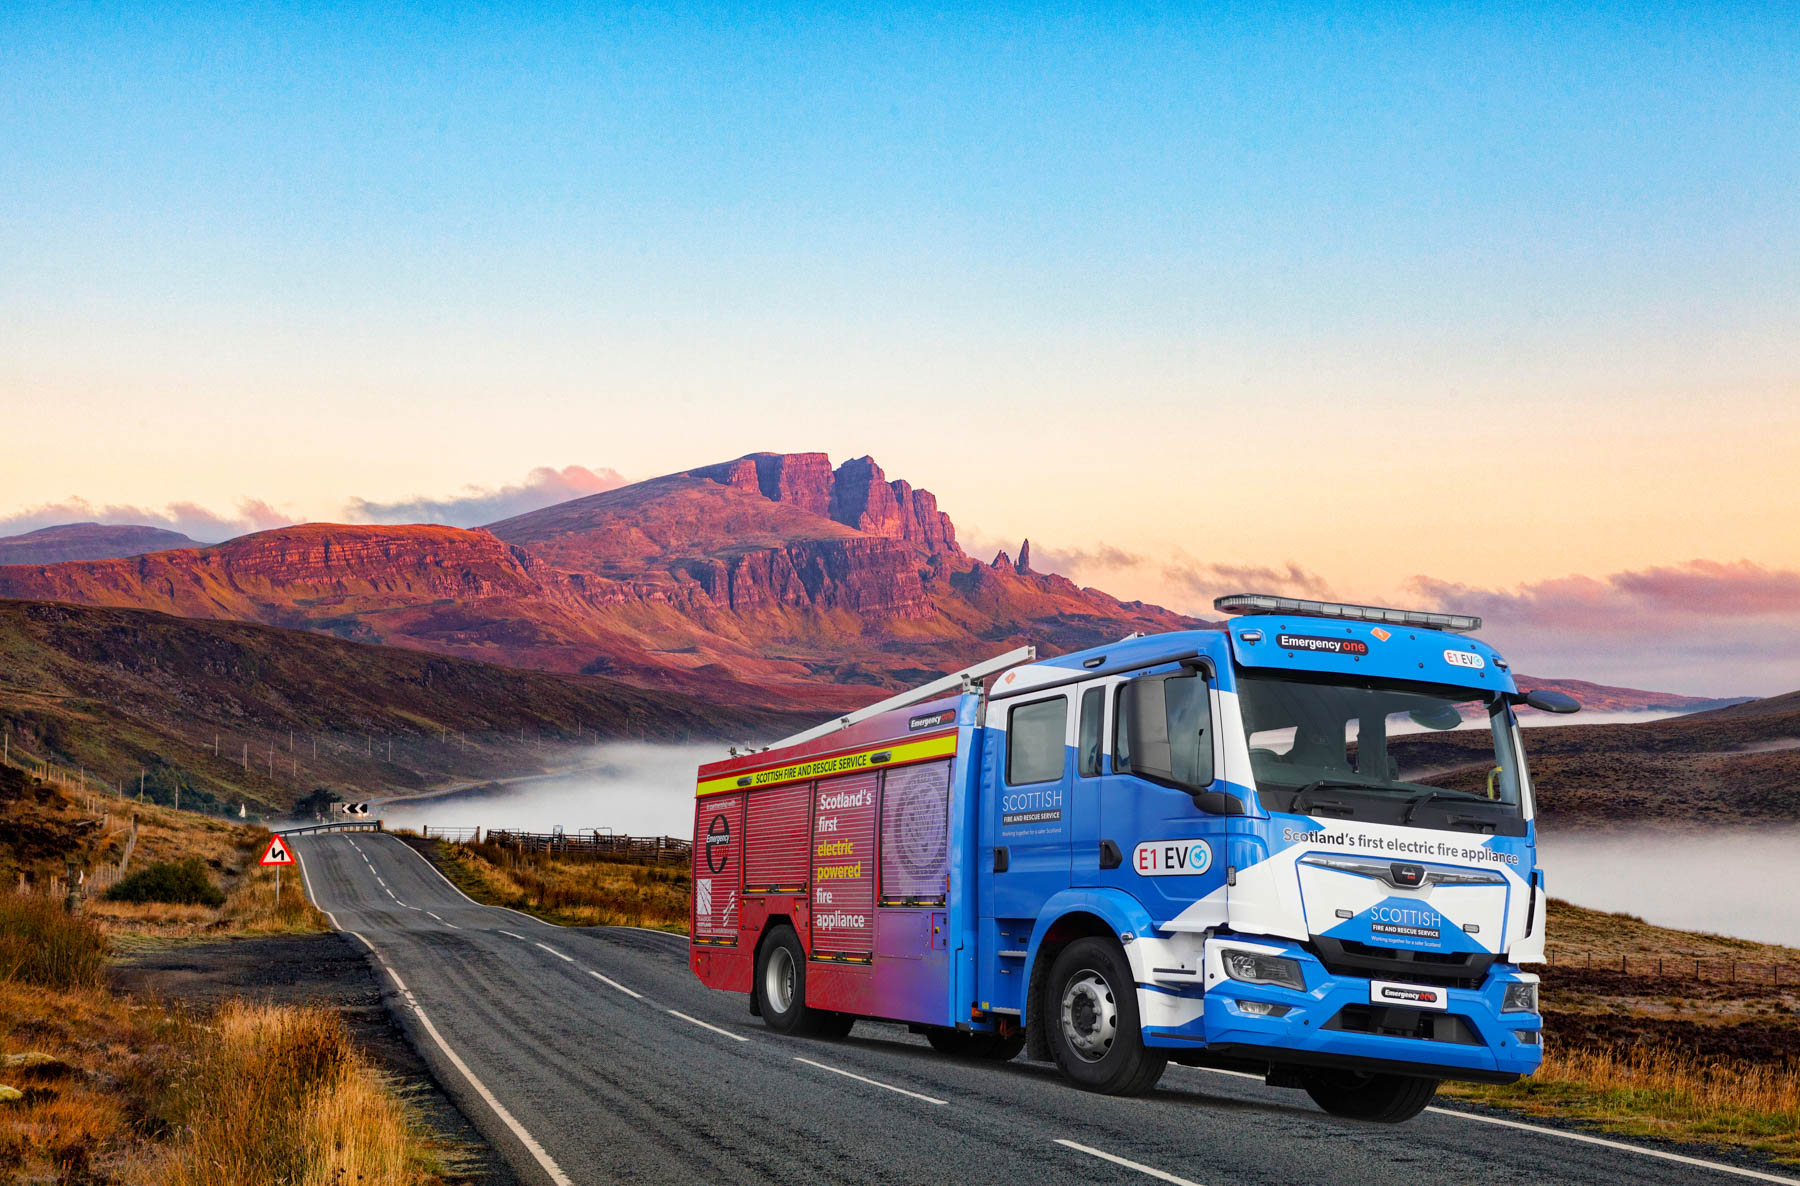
(1384,751)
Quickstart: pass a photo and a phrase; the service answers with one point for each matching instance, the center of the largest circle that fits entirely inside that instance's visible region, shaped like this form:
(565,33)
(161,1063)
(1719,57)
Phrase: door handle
(1000,860)
(1110,856)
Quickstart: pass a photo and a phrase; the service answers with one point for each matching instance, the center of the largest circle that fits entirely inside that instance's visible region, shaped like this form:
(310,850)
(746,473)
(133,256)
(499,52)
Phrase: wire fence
(595,844)
(1682,967)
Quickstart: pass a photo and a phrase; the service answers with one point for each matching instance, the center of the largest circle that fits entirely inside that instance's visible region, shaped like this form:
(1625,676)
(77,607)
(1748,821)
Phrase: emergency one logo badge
(718,843)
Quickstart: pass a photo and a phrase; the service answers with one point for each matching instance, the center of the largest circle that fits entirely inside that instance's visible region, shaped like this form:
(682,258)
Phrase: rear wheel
(779,991)
(1091,1021)
(780,984)
(1384,1099)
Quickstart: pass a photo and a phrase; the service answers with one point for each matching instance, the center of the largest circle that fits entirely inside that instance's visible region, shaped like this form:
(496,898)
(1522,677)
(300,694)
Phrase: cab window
(1087,737)
(1035,740)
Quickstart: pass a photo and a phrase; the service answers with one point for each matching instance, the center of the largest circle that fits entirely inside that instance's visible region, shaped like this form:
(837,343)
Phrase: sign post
(277,854)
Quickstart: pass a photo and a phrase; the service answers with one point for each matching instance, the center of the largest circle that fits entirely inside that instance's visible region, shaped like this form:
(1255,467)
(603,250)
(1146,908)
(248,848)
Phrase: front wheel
(1091,1019)
(1384,1099)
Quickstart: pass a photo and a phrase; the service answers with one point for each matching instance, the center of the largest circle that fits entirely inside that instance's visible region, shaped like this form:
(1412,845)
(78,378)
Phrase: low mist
(631,788)
(1730,881)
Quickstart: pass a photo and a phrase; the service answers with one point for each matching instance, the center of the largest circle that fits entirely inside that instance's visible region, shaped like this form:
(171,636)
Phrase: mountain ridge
(771,579)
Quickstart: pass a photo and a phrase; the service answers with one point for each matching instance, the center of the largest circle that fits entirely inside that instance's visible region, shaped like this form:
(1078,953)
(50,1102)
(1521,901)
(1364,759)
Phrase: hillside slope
(1724,765)
(87,541)
(114,692)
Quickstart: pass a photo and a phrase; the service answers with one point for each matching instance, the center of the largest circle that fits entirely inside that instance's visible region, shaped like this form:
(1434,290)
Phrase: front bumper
(1332,1022)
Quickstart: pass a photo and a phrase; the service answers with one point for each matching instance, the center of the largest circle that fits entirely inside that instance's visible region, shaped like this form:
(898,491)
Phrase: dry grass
(250,907)
(572,893)
(278,1094)
(1661,1093)
(41,944)
(135,1094)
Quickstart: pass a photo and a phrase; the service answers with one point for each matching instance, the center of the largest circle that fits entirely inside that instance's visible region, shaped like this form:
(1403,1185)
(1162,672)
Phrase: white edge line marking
(878,1083)
(1584,1138)
(559,955)
(1132,1165)
(609,980)
(706,1025)
(466,897)
(518,1130)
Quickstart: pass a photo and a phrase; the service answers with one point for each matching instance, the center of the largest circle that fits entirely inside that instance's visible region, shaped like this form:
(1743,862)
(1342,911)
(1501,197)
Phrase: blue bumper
(1326,1025)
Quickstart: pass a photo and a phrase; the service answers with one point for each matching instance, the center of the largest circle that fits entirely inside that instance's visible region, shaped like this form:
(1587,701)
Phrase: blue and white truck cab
(1302,845)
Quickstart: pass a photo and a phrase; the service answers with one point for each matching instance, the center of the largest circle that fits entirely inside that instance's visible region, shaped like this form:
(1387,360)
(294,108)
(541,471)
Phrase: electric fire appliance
(1302,845)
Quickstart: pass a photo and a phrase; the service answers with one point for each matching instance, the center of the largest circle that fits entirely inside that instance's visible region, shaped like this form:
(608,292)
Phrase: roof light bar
(1267,603)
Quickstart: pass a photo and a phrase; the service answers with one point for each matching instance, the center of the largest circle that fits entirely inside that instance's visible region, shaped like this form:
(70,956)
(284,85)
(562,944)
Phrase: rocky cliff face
(856,494)
(319,563)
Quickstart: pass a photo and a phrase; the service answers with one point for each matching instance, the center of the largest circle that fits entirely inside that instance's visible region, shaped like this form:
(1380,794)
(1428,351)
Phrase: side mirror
(1144,705)
(1545,700)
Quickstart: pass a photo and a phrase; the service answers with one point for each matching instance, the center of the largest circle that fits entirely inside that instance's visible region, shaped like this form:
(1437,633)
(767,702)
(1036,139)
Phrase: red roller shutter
(777,829)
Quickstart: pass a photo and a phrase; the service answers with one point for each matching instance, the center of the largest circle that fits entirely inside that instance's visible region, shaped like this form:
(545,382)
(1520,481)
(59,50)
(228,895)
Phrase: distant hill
(1736,764)
(776,580)
(88,541)
(113,692)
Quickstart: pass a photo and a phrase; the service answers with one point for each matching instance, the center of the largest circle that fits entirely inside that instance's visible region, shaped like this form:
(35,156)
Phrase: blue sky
(1218,280)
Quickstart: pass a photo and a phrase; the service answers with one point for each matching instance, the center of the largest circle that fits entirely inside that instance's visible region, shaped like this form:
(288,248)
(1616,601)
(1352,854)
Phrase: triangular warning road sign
(278,853)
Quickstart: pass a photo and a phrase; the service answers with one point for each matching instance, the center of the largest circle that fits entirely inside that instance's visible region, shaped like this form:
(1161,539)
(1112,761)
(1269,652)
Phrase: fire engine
(1302,845)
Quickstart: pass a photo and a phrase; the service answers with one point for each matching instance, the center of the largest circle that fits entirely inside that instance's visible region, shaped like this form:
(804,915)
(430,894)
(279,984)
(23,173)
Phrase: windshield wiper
(1304,793)
(1428,796)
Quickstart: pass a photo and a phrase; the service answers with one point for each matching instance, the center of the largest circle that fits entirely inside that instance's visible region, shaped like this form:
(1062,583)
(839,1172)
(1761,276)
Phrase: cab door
(1025,804)
(1156,842)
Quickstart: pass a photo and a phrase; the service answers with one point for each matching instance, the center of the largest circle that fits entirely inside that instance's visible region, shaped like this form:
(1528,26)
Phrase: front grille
(1422,1024)
(1346,957)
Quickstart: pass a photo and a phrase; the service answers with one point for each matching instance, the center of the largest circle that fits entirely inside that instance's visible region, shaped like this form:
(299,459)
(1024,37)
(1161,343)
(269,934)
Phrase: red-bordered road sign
(278,852)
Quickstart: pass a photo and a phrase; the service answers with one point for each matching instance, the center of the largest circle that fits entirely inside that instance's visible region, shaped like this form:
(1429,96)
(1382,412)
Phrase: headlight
(1264,969)
(1520,998)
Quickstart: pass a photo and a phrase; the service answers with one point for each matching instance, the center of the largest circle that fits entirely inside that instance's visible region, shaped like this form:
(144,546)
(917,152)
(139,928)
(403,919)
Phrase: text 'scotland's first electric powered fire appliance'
(1301,845)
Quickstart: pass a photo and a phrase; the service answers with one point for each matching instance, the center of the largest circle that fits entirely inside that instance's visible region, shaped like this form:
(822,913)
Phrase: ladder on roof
(956,681)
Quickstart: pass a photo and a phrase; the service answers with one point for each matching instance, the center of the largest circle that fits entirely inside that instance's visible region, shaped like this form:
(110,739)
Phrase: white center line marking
(559,955)
(609,980)
(708,1026)
(510,935)
(875,1083)
(1715,1166)
(1130,1165)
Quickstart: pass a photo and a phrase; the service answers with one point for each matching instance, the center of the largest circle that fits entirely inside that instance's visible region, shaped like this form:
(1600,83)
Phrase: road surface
(593,1055)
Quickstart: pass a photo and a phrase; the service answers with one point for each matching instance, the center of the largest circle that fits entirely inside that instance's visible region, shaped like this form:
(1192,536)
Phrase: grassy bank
(97,1088)
(576,893)
(1661,1056)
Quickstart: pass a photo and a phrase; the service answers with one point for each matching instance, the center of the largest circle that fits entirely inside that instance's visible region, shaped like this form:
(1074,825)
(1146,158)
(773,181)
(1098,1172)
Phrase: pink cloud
(479,505)
(1712,627)
(190,519)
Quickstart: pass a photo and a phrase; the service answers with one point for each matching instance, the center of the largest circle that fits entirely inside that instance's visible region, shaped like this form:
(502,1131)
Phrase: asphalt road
(594,1055)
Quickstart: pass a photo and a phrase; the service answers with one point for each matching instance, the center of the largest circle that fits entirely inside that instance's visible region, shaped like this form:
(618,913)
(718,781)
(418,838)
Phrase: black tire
(1091,1020)
(959,1044)
(1383,1099)
(780,983)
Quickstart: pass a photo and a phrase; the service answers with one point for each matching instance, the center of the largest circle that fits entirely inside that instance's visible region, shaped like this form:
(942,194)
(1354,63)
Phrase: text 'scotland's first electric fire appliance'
(1301,845)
